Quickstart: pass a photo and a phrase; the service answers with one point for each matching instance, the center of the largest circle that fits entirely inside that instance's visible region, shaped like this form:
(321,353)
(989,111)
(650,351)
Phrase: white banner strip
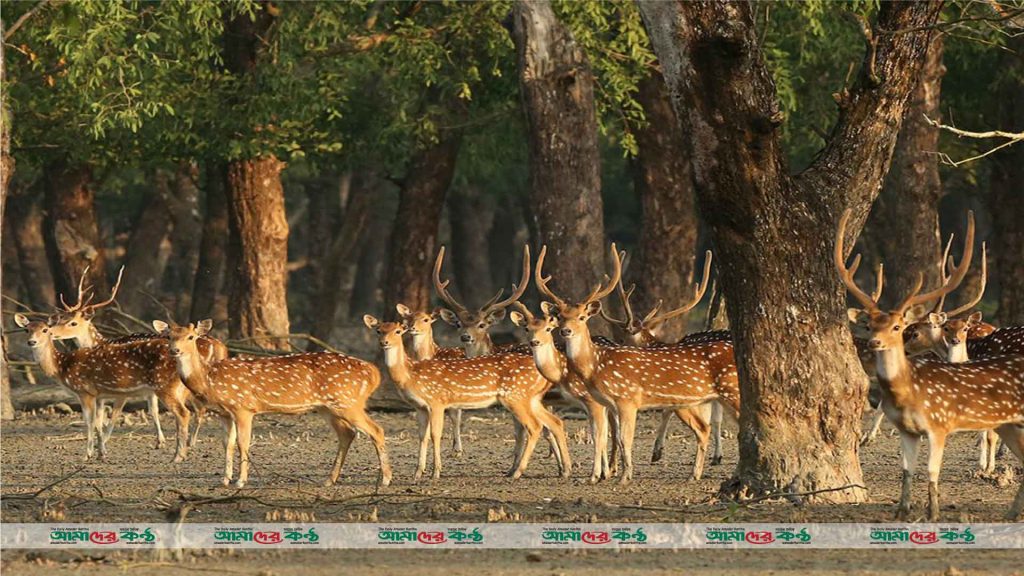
(521,535)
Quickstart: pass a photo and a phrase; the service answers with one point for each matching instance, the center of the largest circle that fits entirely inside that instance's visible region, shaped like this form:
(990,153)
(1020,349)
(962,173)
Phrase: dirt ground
(291,456)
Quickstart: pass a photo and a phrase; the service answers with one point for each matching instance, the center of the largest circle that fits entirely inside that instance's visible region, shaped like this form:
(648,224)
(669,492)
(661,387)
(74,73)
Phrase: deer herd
(935,372)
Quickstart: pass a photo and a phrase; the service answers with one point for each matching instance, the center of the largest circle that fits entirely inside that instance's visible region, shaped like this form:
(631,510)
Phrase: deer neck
(550,363)
(582,354)
(193,373)
(957,354)
(895,373)
(481,347)
(398,364)
(51,361)
(423,345)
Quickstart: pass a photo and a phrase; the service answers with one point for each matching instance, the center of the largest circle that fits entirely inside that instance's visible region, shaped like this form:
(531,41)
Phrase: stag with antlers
(627,380)
(934,398)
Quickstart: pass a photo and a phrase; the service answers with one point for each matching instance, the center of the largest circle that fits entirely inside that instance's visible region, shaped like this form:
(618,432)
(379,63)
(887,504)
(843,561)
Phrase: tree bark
(143,269)
(209,276)
(71,232)
(372,250)
(501,241)
(471,216)
(414,236)
(904,223)
(258,305)
(336,260)
(25,218)
(6,171)
(663,180)
(557,88)
(1007,200)
(327,196)
(186,233)
(801,384)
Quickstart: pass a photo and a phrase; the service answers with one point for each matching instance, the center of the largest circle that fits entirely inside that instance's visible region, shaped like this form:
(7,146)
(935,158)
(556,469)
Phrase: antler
(542,282)
(698,293)
(981,288)
(525,311)
(624,296)
(80,301)
(600,292)
(942,273)
(955,278)
(517,289)
(441,287)
(846,274)
(113,293)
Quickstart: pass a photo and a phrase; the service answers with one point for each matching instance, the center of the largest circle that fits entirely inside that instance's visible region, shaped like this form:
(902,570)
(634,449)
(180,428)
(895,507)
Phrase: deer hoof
(385,482)
(239,483)
(328,483)
(225,481)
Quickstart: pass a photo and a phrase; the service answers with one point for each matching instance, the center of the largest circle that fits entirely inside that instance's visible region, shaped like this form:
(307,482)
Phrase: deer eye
(45,330)
(191,337)
(74,324)
(895,328)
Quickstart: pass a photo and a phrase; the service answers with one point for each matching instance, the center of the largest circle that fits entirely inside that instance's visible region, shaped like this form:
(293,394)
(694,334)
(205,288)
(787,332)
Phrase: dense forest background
(286,167)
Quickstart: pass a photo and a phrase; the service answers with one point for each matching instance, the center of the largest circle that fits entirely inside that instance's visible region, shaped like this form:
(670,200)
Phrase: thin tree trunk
(71,232)
(1007,199)
(372,248)
(471,216)
(904,223)
(414,236)
(663,179)
(801,384)
(501,241)
(258,305)
(209,276)
(186,234)
(142,268)
(25,220)
(6,171)
(336,261)
(557,88)
(326,197)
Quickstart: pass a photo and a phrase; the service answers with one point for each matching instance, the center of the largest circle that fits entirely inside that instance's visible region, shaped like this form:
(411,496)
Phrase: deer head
(39,332)
(540,330)
(574,317)
(389,333)
(417,323)
(474,324)
(75,322)
(886,327)
(182,339)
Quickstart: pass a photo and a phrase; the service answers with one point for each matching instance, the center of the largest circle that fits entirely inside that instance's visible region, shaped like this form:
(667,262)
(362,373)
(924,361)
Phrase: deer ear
(496,316)
(517,318)
(203,327)
(370,321)
(593,308)
(937,318)
(21,320)
(854,315)
(403,310)
(916,313)
(549,309)
(160,326)
(448,316)
(975,318)
(435,314)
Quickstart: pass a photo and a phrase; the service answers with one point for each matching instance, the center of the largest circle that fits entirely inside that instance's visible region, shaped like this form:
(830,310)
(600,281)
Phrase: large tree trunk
(501,241)
(904,224)
(258,305)
(414,236)
(209,277)
(25,218)
(326,197)
(801,383)
(1007,200)
(471,216)
(71,231)
(143,268)
(186,233)
(663,179)
(336,260)
(557,88)
(372,248)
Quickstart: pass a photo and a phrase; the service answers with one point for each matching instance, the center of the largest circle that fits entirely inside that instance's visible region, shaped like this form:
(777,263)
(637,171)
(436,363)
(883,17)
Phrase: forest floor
(291,457)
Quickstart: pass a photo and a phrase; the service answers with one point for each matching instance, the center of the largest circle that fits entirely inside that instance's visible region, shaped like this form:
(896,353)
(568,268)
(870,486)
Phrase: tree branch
(24,18)
(1010,137)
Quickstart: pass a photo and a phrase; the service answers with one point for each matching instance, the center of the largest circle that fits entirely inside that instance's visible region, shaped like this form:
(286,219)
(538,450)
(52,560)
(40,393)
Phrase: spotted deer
(933,398)
(627,379)
(644,333)
(114,371)
(74,323)
(436,385)
(473,325)
(335,385)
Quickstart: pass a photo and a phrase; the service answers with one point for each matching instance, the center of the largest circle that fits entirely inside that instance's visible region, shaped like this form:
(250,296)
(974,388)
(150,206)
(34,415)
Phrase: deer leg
(909,445)
(716,433)
(1012,436)
(627,431)
(659,441)
(598,420)
(936,448)
(174,402)
(556,428)
(230,439)
(456,416)
(89,415)
(991,442)
(613,449)
(517,451)
(697,422)
(154,413)
(876,424)
(200,411)
(423,424)
(118,408)
(345,435)
(524,413)
(362,422)
(243,421)
(436,433)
